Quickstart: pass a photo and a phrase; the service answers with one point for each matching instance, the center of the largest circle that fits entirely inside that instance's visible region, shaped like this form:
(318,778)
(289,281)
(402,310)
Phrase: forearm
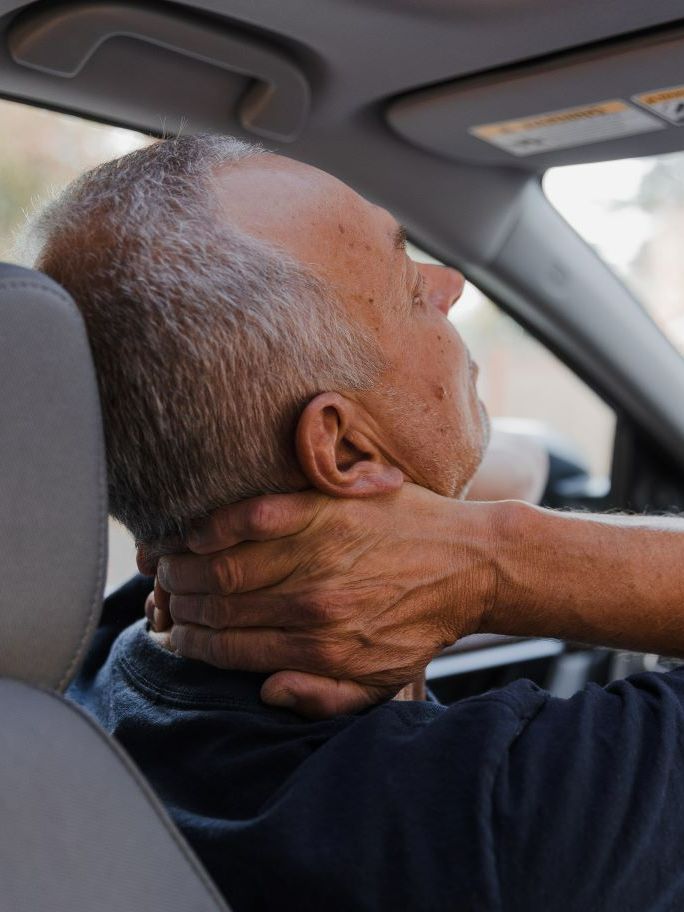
(603,579)
(353,598)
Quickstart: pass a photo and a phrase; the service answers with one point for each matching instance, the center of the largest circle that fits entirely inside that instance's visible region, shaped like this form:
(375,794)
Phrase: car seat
(80,828)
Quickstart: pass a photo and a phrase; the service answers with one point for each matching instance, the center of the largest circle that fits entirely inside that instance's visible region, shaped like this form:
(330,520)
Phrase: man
(256,326)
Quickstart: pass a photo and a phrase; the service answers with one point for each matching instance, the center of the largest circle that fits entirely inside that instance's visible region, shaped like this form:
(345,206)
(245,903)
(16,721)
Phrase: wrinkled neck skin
(413,691)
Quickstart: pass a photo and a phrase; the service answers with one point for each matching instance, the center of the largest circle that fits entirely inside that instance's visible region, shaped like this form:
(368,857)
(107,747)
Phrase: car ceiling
(382,93)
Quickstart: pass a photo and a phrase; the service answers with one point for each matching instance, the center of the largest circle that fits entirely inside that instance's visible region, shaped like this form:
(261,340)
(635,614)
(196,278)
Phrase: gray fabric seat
(80,828)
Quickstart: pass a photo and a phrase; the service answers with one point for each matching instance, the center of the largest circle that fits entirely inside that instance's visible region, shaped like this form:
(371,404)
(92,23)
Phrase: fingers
(241,568)
(161,619)
(149,608)
(242,610)
(157,609)
(320,698)
(262,649)
(259,519)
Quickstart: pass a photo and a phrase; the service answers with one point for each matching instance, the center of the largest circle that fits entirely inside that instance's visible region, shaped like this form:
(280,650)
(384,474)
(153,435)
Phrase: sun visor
(609,102)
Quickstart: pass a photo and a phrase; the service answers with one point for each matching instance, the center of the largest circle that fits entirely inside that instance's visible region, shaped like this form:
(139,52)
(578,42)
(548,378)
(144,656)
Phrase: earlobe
(336,454)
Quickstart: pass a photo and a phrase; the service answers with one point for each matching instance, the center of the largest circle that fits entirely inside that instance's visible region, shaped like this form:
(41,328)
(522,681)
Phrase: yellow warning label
(668,103)
(548,120)
(566,128)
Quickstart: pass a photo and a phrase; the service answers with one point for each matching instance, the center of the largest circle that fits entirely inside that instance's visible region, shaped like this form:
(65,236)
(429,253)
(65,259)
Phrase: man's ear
(336,453)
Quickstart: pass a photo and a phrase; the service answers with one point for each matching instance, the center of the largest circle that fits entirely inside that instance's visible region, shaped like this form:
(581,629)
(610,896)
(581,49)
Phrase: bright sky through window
(632,214)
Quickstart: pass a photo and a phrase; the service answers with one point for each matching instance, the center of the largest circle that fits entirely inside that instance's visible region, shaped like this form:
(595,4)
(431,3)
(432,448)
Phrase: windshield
(632,213)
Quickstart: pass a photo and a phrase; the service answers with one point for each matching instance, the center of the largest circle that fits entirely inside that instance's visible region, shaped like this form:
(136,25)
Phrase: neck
(413,691)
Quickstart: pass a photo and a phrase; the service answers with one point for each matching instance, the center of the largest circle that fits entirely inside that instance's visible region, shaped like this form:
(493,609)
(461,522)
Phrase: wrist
(513,547)
(474,531)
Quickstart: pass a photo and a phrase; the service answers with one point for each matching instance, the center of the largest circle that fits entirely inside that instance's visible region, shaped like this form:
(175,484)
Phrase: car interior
(449,114)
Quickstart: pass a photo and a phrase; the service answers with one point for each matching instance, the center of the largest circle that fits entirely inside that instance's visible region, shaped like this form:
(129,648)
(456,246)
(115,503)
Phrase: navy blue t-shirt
(512,801)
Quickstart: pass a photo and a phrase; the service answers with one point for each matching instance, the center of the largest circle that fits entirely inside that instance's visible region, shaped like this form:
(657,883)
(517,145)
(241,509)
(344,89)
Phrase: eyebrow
(400,238)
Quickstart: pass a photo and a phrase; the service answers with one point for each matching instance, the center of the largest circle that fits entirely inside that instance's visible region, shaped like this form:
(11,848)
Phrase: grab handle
(61,40)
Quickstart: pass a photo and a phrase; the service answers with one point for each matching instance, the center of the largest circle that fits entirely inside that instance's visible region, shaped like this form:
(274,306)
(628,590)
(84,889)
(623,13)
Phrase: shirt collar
(186,682)
(177,680)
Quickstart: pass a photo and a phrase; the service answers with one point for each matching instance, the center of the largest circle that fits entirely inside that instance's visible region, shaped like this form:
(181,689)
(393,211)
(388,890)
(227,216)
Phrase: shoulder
(411,785)
(594,785)
(486,723)
(451,754)
(508,709)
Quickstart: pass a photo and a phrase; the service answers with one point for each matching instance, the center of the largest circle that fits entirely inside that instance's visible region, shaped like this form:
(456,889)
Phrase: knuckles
(211,611)
(224,575)
(262,519)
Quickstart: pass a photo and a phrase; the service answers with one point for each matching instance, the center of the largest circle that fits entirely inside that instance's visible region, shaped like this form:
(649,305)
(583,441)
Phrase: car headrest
(53,496)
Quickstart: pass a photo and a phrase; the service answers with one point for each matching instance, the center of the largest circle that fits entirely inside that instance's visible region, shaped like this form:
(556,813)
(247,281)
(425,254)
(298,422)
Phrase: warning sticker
(567,128)
(669,103)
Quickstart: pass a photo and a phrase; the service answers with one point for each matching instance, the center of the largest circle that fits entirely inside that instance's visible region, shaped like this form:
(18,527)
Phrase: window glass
(522,383)
(40,153)
(632,213)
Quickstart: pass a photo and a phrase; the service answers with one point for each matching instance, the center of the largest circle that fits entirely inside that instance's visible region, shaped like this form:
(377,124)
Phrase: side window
(527,388)
(40,153)
(631,212)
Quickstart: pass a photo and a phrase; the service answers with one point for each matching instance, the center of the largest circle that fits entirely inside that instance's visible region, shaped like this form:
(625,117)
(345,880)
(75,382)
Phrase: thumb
(320,698)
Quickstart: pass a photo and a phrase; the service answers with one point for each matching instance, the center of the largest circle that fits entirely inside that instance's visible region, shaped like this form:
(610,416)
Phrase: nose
(443,285)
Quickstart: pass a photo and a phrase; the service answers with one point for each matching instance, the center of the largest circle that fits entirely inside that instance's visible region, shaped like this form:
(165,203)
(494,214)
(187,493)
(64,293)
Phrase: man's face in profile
(424,413)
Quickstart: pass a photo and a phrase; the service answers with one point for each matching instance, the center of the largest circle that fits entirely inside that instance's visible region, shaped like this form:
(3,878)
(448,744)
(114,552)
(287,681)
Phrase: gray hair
(207,342)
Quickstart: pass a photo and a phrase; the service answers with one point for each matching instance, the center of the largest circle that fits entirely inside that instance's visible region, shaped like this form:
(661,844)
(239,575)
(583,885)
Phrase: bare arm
(354,597)
(605,579)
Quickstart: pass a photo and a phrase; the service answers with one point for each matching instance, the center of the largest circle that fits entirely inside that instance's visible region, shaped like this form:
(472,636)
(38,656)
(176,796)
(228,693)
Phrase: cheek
(435,382)
(456,421)
(447,371)
(432,366)
(433,422)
